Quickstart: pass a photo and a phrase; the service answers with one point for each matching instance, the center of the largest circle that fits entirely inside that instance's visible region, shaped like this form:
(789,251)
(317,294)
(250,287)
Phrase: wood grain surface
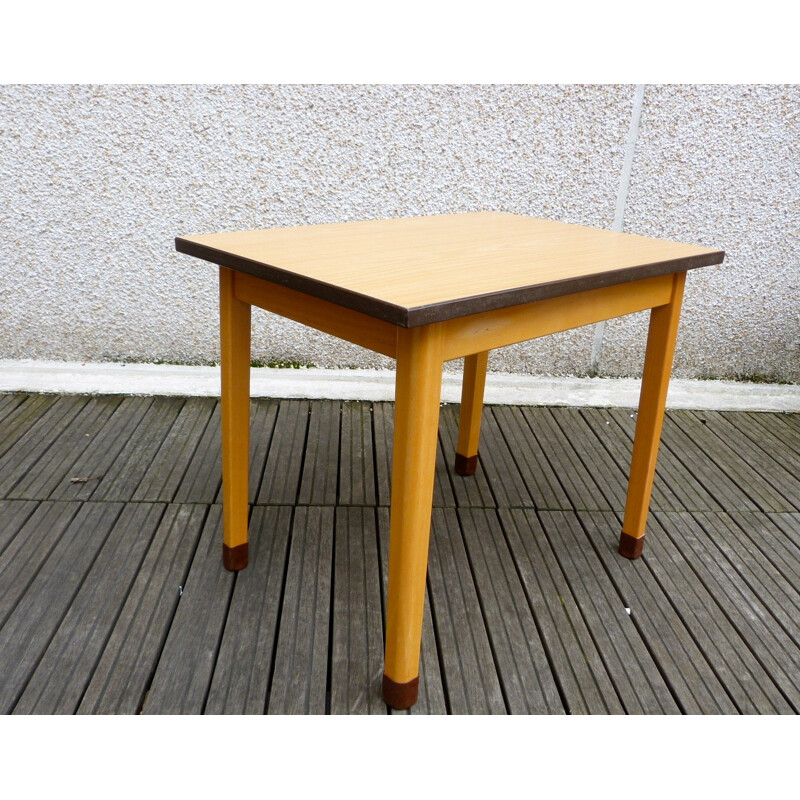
(122,605)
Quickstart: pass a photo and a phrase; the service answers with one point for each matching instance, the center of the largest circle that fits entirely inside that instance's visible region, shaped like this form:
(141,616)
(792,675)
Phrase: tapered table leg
(469,424)
(652,400)
(417,396)
(235,406)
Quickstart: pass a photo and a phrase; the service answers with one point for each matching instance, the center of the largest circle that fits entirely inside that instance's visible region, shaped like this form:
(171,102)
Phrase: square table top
(416,270)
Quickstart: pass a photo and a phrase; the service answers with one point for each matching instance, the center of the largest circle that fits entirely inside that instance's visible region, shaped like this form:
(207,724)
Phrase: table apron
(504,326)
(463,336)
(344,323)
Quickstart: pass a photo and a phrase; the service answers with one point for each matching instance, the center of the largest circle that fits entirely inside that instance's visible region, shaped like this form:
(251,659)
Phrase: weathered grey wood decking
(113,598)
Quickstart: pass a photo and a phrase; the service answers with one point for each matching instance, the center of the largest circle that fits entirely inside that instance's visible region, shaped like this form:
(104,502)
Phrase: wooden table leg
(416,423)
(235,406)
(469,424)
(652,400)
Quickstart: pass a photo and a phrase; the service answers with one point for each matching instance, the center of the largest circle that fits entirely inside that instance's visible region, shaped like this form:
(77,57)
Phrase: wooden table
(425,290)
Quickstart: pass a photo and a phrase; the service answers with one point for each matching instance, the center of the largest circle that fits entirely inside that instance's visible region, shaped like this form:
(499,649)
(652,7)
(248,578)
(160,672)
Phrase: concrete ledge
(501,389)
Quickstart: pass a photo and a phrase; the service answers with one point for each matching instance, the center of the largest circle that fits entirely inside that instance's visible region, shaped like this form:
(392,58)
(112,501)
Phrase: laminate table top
(417,270)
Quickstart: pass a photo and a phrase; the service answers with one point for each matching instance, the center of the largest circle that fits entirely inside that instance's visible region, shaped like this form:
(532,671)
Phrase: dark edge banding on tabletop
(380,309)
(463,307)
(448,309)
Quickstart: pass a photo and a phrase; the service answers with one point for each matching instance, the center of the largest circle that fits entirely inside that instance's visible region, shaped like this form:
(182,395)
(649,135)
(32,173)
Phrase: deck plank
(679,485)
(579,485)
(789,526)
(786,427)
(263,415)
(708,619)
(13,514)
(779,595)
(56,467)
(34,443)
(695,460)
(165,473)
(356,456)
(617,448)
(531,462)
(183,673)
(790,419)
(778,466)
(382,435)
(124,475)
(202,480)
(100,455)
(357,629)
(747,613)
(525,608)
(60,679)
(30,627)
(583,681)
(468,669)
(29,541)
(505,480)
(240,683)
(21,417)
(125,670)
(692,679)
(283,468)
(743,478)
(10,402)
(630,666)
(768,433)
(522,666)
(319,478)
(608,476)
(299,682)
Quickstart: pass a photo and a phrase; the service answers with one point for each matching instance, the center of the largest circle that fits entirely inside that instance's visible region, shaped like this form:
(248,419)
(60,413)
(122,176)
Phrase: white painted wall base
(501,389)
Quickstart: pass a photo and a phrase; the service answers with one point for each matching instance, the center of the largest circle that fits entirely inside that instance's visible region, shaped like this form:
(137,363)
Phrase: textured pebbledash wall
(96,181)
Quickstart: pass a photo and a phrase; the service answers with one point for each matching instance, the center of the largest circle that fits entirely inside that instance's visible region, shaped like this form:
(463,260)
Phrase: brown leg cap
(466,465)
(400,695)
(234,558)
(629,546)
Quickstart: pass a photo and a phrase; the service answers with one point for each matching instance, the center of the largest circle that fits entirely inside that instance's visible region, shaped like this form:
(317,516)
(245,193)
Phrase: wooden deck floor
(113,598)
